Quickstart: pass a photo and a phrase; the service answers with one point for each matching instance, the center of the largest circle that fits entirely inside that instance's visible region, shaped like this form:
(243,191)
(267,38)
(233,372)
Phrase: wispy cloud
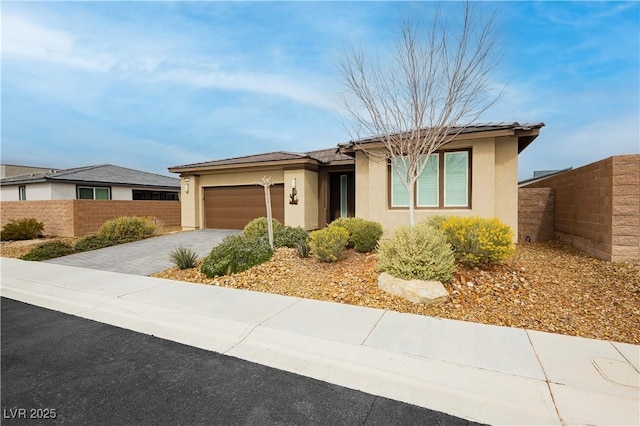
(32,41)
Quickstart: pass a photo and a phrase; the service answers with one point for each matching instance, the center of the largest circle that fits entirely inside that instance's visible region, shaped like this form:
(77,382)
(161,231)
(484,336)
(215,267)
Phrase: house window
(343,196)
(444,182)
(94,193)
(143,194)
(22,193)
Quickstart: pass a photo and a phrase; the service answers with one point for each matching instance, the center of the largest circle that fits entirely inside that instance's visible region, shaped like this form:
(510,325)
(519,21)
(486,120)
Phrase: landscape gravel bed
(547,286)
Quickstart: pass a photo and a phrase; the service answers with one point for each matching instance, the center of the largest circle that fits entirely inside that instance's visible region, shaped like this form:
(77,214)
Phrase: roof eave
(254,164)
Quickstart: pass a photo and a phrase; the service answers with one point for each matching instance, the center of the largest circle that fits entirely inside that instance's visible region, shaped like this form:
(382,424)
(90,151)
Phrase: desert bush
(328,243)
(437,221)
(303,249)
(127,228)
(290,236)
(158,225)
(420,252)
(236,253)
(348,223)
(363,234)
(93,242)
(22,229)
(48,250)
(478,241)
(183,257)
(258,228)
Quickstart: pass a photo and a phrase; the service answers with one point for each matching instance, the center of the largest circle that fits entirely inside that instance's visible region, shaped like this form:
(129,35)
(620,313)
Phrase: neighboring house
(475,174)
(99,182)
(540,175)
(595,208)
(78,201)
(7,170)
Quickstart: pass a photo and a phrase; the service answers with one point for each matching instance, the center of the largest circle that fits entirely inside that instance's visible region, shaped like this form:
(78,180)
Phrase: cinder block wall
(68,218)
(91,214)
(625,223)
(597,207)
(535,214)
(57,215)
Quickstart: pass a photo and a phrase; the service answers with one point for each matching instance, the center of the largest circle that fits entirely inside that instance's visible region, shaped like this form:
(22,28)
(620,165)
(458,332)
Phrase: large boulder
(416,291)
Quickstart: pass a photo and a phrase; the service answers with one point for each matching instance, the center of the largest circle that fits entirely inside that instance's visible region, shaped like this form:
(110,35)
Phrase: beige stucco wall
(192,209)
(305,213)
(494,186)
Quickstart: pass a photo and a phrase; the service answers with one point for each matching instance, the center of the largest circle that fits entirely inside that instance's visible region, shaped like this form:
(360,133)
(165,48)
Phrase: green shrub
(478,241)
(48,250)
(183,257)
(348,223)
(363,234)
(127,228)
(157,224)
(258,228)
(22,229)
(303,249)
(236,253)
(437,221)
(93,242)
(420,252)
(290,236)
(328,243)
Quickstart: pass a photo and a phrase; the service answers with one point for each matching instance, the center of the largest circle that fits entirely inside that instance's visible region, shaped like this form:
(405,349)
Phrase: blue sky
(149,85)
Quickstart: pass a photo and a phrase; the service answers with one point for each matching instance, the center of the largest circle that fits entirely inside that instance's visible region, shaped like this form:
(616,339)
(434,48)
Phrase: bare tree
(266,183)
(435,86)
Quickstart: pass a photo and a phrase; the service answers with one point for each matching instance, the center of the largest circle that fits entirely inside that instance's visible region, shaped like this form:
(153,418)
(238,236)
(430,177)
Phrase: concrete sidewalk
(489,374)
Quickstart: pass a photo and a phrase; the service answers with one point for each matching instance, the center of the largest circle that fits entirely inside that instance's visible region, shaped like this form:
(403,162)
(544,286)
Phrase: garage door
(232,207)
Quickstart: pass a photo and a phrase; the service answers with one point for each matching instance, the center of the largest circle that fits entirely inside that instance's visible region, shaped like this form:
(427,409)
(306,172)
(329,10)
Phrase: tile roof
(471,128)
(324,156)
(102,173)
(327,156)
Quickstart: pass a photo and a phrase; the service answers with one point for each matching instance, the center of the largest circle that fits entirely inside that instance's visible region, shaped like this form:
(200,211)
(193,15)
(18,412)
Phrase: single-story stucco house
(475,174)
(97,182)
(76,202)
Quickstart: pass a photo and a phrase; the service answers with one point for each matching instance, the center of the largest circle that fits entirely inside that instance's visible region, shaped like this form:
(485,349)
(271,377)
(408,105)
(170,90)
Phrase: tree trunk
(412,207)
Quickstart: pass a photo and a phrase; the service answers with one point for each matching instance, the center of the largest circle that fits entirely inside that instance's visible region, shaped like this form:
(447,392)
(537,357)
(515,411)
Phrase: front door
(342,195)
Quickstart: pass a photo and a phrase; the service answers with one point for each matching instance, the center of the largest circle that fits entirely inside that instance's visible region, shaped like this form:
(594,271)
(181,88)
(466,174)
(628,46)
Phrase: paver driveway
(147,256)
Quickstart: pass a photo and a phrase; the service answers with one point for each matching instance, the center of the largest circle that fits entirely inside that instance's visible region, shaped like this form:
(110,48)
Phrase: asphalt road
(61,369)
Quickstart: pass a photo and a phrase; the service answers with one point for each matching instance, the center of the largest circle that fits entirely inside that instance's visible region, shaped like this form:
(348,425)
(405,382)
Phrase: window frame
(93,190)
(162,195)
(441,184)
(22,193)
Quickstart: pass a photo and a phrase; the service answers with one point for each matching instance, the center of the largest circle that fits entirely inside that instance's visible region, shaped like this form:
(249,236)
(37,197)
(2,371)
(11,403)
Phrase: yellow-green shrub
(127,228)
(479,241)
(329,243)
(363,234)
(420,252)
(259,227)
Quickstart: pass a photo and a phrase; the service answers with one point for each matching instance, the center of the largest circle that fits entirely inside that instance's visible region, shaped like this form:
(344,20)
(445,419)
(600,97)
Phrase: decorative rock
(416,291)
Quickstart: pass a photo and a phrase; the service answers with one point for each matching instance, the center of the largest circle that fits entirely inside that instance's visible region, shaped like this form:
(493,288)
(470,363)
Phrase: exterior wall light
(186,185)
(293,197)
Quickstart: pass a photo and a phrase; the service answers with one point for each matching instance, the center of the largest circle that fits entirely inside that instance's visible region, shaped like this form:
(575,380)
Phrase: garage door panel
(232,207)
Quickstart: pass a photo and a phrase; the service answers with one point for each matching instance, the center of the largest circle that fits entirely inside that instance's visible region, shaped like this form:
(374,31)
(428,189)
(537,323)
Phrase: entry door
(342,195)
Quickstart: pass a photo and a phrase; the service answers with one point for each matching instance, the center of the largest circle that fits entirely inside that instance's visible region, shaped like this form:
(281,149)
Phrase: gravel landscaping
(547,286)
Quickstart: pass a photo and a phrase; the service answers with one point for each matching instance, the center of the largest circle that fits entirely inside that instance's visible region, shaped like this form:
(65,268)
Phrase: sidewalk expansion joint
(248,333)
(373,328)
(546,379)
